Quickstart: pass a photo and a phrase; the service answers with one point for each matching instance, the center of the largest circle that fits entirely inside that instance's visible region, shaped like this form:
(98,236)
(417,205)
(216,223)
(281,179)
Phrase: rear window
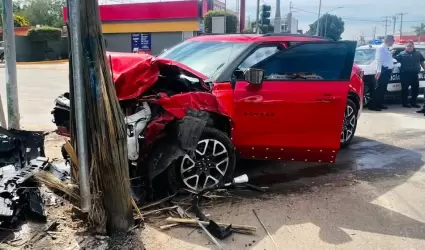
(364,56)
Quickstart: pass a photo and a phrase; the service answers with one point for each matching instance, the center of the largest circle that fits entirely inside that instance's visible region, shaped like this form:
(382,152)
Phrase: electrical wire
(357,19)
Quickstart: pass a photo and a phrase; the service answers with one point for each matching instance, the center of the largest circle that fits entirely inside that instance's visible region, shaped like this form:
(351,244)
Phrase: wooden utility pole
(106,136)
(394,23)
(374,33)
(387,21)
(401,23)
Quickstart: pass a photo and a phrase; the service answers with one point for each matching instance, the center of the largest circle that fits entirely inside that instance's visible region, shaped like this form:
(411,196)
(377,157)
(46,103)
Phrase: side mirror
(254,76)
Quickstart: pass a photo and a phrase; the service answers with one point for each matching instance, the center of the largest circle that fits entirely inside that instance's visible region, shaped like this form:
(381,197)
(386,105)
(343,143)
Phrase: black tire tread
(173,175)
(354,106)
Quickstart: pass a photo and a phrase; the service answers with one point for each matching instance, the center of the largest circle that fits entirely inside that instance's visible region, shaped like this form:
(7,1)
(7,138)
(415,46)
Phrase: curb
(42,62)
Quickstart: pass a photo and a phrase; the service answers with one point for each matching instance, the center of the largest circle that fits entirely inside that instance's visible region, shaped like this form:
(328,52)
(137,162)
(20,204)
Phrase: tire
(367,95)
(350,124)
(196,170)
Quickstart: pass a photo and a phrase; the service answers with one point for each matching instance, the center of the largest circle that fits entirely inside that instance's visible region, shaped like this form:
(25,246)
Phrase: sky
(360,16)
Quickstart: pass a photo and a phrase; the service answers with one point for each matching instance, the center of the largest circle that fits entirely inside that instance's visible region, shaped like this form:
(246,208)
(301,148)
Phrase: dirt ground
(372,198)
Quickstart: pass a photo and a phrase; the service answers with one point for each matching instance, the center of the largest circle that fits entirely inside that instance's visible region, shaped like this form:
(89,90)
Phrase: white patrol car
(365,59)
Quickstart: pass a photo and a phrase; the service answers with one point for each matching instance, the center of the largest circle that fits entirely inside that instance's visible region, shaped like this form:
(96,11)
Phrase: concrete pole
(79,102)
(318,18)
(257,24)
(10,58)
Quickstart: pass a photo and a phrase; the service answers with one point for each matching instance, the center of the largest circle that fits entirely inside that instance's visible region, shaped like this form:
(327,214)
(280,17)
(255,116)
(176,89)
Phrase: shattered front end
(166,108)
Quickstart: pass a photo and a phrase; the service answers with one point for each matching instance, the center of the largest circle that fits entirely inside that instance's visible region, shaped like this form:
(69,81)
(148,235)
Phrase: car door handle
(328,99)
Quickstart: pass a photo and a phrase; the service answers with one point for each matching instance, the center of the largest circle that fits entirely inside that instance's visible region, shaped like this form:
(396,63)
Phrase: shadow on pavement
(334,198)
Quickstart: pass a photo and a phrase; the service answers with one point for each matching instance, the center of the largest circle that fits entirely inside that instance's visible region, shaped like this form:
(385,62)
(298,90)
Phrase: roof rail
(297,35)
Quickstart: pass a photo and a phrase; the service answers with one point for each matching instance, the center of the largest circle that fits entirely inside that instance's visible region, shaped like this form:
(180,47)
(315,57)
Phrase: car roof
(251,38)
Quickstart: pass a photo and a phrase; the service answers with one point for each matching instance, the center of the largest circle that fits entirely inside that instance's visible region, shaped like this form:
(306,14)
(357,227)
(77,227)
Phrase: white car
(365,59)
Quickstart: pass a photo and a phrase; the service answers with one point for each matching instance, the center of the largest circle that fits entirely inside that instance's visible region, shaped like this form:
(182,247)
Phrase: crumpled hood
(133,73)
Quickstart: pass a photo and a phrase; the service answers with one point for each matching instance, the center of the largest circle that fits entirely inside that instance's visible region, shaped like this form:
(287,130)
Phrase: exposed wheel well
(355,98)
(220,122)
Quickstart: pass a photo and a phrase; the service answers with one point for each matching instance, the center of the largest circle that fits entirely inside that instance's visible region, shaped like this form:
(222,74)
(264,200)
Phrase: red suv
(271,97)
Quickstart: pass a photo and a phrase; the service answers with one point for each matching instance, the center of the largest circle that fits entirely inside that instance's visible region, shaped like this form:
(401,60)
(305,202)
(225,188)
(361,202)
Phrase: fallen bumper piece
(19,193)
(21,156)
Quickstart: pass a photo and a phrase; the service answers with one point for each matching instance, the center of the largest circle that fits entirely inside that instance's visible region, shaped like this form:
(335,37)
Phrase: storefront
(148,27)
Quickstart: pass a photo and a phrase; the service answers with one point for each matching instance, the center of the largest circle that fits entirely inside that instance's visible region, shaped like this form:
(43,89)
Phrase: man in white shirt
(384,69)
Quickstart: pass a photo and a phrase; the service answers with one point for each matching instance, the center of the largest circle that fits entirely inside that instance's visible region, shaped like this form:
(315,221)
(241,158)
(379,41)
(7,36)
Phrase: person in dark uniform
(411,61)
(384,68)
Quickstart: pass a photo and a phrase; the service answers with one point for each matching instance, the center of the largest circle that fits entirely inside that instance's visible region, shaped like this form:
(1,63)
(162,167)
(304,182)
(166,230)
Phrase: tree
(419,31)
(332,25)
(44,12)
(18,20)
(231,21)
(264,29)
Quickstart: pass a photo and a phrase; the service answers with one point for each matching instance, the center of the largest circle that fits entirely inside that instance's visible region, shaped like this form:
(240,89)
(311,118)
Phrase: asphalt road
(372,198)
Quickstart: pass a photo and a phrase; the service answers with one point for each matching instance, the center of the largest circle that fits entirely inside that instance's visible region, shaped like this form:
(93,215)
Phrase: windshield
(206,57)
(364,56)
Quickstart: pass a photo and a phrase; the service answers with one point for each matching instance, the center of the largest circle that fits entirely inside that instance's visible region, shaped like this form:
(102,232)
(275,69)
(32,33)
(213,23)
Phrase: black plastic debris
(19,192)
(21,156)
(240,182)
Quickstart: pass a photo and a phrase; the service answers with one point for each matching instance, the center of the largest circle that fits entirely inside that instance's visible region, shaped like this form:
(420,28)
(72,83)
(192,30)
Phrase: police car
(365,59)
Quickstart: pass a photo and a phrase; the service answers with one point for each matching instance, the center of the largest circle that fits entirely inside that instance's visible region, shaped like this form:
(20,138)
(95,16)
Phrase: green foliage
(231,21)
(419,30)
(20,21)
(44,12)
(332,25)
(44,33)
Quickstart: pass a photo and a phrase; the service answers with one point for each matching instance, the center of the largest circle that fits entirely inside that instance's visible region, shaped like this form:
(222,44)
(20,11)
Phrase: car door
(297,112)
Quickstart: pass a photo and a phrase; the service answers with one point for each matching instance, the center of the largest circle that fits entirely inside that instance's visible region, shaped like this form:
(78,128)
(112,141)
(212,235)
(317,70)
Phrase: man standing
(411,62)
(384,68)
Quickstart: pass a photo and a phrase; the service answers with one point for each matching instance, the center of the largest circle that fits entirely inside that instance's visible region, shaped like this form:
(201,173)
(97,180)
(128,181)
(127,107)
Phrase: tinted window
(257,56)
(206,57)
(311,61)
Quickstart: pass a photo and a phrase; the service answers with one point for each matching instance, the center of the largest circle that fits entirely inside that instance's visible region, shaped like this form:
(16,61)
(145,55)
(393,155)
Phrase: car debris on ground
(24,166)
(21,157)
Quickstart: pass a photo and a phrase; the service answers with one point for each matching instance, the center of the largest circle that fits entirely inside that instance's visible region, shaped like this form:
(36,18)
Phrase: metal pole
(225,16)
(10,66)
(326,25)
(2,117)
(79,102)
(318,18)
(257,23)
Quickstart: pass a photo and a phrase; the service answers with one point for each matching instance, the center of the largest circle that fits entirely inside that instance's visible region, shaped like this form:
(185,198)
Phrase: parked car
(365,59)
(269,97)
(1,51)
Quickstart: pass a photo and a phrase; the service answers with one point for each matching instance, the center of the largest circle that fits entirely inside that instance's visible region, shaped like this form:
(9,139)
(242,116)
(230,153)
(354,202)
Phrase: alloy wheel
(349,124)
(206,166)
(366,95)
